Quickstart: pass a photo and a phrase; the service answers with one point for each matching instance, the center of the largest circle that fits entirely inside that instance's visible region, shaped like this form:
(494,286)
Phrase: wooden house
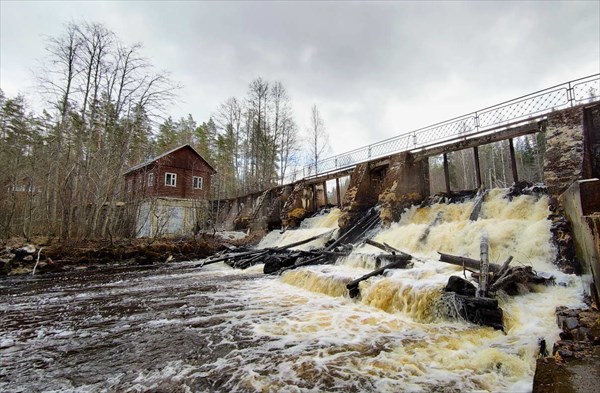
(170,192)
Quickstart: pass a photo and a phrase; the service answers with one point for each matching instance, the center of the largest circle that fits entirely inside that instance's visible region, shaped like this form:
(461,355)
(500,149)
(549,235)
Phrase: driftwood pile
(477,305)
(280,259)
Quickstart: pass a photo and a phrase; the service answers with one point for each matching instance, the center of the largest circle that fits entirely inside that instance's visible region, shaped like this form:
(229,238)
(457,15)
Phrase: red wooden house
(178,173)
(170,190)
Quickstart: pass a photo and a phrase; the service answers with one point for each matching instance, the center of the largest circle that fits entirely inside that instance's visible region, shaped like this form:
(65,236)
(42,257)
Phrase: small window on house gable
(150,179)
(170,179)
(197,182)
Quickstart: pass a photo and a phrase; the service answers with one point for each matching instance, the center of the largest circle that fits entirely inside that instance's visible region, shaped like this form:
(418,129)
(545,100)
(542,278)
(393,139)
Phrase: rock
(565,353)
(565,336)
(582,333)
(20,270)
(28,258)
(570,323)
(461,286)
(560,320)
(27,249)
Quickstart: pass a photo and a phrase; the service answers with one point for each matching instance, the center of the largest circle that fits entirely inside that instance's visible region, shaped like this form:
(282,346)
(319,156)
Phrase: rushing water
(179,328)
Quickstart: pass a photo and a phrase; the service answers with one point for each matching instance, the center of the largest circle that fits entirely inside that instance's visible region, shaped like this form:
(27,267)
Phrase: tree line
(105,112)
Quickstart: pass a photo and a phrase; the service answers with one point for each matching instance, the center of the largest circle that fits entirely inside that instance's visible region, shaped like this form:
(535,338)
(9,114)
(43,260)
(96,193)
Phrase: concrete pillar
(338,192)
(477,166)
(582,208)
(513,160)
(563,157)
(591,139)
(294,209)
(358,197)
(406,183)
(446,173)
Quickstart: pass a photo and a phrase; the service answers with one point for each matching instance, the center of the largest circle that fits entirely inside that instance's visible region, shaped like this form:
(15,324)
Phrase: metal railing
(491,119)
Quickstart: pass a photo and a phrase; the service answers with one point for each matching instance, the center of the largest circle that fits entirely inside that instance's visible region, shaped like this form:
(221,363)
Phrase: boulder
(461,286)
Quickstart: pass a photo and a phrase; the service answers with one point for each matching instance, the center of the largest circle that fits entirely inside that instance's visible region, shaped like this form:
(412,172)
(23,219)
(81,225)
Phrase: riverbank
(574,364)
(18,256)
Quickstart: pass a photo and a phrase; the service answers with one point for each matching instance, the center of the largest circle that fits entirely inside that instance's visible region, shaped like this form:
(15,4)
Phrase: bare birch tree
(318,138)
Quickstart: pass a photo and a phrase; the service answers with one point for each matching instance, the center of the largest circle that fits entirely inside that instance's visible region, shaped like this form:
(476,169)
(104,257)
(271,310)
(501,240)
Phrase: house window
(139,181)
(171,179)
(150,179)
(129,185)
(197,182)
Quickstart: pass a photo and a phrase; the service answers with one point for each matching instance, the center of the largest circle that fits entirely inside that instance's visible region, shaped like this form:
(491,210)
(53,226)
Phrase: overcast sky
(374,69)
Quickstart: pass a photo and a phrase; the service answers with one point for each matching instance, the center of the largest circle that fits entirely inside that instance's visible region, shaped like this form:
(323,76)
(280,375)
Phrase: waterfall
(433,345)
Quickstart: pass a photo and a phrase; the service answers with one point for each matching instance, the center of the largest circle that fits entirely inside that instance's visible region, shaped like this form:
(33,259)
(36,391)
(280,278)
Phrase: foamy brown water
(216,329)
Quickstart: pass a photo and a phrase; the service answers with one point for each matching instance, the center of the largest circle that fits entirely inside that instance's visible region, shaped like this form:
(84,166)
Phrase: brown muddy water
(178,328)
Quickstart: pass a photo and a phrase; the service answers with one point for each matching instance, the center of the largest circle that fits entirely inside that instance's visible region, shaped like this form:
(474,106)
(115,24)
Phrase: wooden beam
(450,146)
(446,173)
(477,167)
(513,160)
(338,192)
(329,176)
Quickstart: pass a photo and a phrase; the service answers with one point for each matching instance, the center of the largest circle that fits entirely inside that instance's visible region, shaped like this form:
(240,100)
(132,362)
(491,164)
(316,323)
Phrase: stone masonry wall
(358,196)
(563,158)
(406,182)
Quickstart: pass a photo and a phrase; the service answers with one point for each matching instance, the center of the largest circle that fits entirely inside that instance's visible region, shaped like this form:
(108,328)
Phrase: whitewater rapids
(180,328)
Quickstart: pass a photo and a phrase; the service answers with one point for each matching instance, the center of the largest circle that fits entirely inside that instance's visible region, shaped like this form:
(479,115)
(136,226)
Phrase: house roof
(152,160)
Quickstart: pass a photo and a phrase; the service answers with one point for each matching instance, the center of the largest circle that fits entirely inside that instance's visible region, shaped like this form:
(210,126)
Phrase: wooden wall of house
(185,164)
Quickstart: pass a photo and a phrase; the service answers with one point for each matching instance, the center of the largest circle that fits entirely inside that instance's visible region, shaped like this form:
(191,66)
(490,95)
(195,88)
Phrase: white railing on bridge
(491,119)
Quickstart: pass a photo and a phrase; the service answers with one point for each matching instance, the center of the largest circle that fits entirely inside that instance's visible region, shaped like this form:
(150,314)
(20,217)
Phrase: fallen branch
(481,193)
(425,234)
(385,247)
(401,263)
(466,262)
(38,261)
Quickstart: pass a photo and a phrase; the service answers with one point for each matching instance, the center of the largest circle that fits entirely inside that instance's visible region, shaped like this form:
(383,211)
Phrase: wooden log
(382,259)
(514,276)
(478,204)
(466,262)
(502,270)
(386,247)
(232,256)
(425,234)
(262,252)
(484,266)
(301,242)
(365,223)
(311,261)
(401,262)
(246,263)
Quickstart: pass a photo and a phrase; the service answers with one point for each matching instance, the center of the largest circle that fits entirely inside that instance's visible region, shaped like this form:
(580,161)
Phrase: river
(181,328)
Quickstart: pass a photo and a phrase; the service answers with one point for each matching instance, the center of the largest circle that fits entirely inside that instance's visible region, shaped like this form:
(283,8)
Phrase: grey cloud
(356,60)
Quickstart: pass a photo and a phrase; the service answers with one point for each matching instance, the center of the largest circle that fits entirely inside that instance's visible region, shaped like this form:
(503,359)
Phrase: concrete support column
(358,197)
(513,160)
(406,182)
(446,173)
(563,158)
(338,192)
(477,167)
